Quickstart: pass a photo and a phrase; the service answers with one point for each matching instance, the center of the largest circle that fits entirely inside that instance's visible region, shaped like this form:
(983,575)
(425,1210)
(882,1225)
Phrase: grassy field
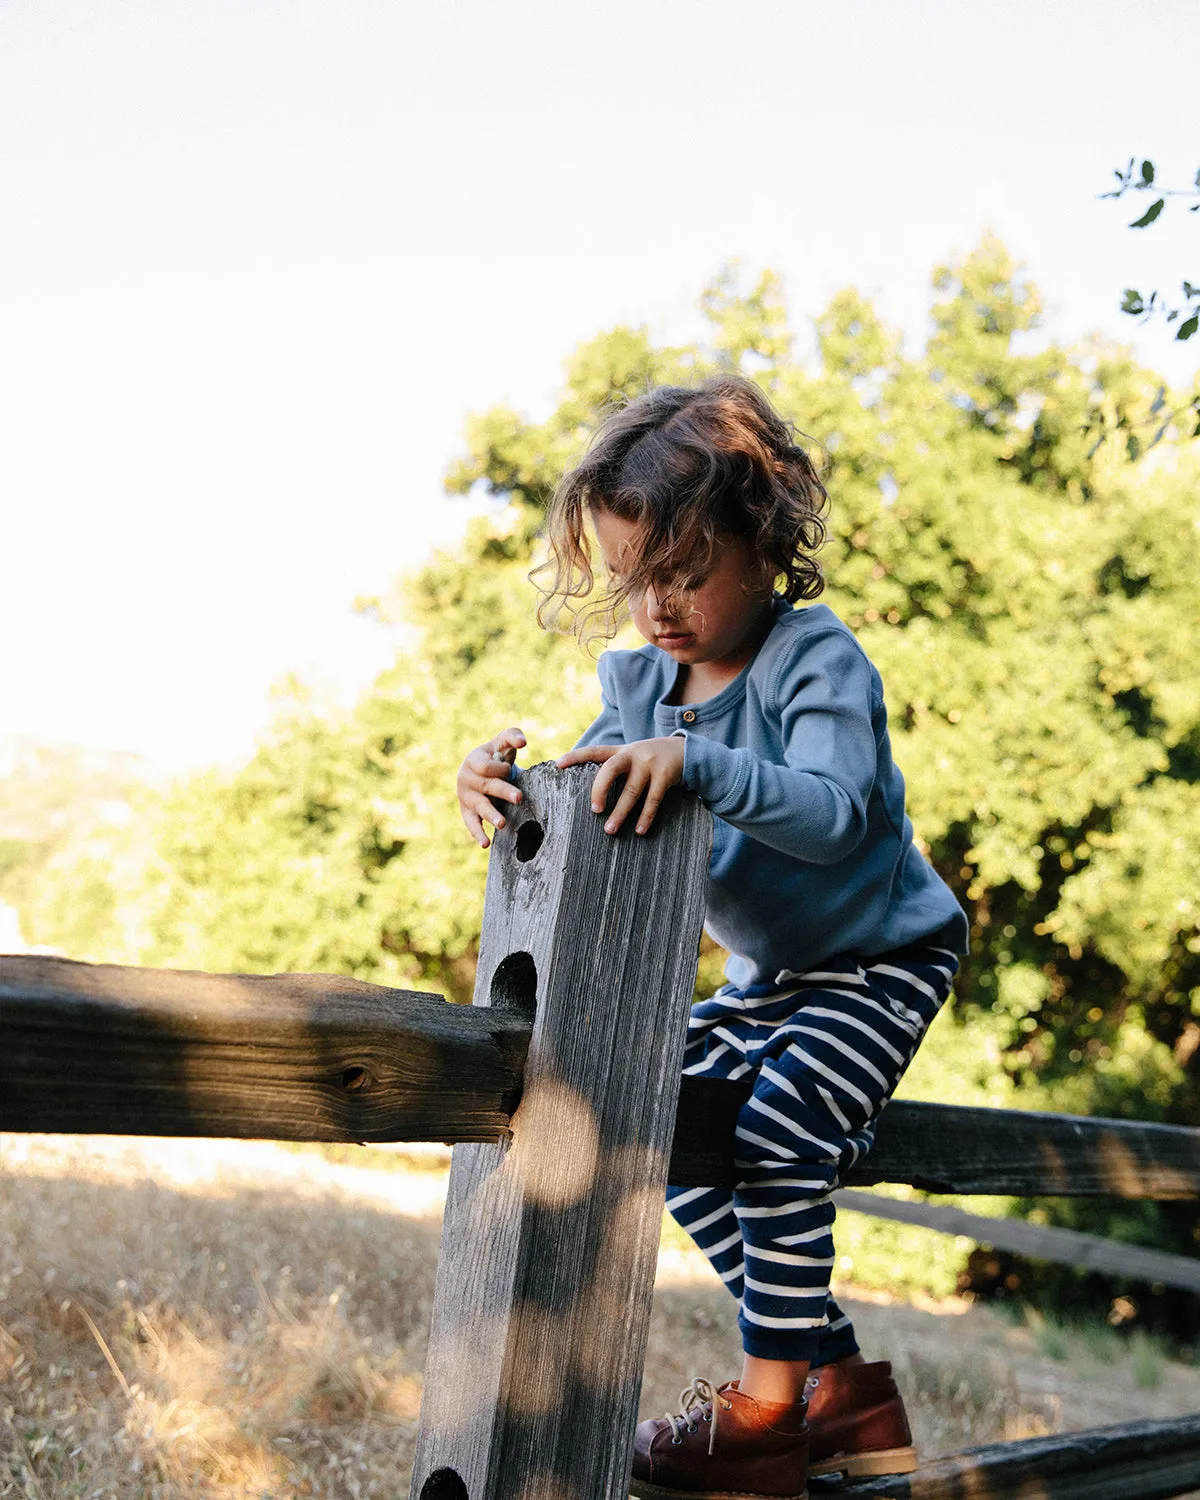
(240,1320)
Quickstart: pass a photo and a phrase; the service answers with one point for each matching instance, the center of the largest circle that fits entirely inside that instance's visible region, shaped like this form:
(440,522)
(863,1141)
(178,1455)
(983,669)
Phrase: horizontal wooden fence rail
(1127,1461)
(98,1048)
(1067,1247)
(951,1148)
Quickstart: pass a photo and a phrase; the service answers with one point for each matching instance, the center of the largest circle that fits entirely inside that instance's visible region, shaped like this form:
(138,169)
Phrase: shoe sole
(867,1465)
(645,1490)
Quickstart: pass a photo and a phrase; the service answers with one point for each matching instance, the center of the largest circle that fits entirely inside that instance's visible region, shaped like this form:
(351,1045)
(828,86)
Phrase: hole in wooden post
(529,839)
(355,1078)
(444,1484)
(514,985)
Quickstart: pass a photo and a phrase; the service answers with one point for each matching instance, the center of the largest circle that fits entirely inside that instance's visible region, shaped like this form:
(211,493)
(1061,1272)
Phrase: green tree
(1014,539)
(1027,594)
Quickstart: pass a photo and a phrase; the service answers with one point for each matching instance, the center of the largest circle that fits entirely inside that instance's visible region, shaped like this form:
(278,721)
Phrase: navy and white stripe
(826,1049)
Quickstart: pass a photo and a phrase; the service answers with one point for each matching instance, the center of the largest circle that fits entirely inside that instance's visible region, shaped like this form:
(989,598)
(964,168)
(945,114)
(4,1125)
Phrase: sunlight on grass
(256,1328)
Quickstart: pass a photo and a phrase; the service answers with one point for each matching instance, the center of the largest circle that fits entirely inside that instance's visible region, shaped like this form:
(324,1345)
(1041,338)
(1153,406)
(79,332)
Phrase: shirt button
(689,716)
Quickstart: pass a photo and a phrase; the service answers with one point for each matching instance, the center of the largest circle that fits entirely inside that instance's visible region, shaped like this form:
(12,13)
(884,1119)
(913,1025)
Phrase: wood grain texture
(1068,1247)
(549,1242)
(959,1149)
(1128,1461)
(947,1148)
(99,1048)
(103,1049)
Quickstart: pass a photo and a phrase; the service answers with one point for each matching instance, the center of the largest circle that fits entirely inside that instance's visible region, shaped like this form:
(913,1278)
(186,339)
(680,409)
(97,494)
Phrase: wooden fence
(560,1091)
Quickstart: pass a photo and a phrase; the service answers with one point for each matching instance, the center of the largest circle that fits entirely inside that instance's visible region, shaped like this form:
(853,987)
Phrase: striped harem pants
(826,1049)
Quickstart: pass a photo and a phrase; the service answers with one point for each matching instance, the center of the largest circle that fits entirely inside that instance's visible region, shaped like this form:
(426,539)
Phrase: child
(707,516)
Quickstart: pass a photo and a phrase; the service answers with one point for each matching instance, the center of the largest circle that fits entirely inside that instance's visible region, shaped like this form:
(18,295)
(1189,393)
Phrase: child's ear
(761,583)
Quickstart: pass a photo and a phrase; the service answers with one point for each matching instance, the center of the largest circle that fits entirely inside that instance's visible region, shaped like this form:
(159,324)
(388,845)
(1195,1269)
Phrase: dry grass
(235,1321)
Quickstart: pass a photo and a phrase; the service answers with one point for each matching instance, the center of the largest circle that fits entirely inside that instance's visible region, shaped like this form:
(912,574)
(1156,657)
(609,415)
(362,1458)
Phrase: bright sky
(259,260)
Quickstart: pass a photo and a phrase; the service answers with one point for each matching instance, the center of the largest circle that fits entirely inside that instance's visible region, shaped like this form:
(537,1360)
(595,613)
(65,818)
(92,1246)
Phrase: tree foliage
(1143,179)
(1027,590)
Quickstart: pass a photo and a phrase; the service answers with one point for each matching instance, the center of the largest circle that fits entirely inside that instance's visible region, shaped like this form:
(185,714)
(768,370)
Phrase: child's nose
(656,607)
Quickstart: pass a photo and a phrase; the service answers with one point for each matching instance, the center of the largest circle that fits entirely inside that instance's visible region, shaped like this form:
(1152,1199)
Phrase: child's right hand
(484,774)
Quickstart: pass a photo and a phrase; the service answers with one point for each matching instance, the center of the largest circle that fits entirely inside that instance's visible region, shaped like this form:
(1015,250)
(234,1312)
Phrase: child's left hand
(648,766)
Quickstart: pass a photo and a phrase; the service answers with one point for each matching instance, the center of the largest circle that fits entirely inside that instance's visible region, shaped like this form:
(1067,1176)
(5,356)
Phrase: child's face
(718,620)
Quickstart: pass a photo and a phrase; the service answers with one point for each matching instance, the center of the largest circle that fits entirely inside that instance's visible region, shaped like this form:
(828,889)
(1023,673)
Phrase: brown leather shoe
(858,1422)
(722,1445)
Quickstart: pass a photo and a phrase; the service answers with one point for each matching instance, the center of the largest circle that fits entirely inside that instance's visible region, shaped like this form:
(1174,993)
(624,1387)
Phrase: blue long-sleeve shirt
(812,852)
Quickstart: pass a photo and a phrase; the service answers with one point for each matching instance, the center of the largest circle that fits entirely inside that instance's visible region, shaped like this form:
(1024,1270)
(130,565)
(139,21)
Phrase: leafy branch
(1160,417)
(1135,180)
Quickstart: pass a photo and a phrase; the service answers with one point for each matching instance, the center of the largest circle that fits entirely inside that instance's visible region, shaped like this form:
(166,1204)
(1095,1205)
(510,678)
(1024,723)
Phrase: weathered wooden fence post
(549,1240)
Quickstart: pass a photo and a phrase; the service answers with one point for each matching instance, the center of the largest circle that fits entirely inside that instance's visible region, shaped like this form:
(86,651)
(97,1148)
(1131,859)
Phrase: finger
(484,762)
(616,766)
(493,786)
(485,810)
(496,767)
(502,771)
(474,827)
(506,744)
(477,770)
(654,797)
(635,785)
(588,755)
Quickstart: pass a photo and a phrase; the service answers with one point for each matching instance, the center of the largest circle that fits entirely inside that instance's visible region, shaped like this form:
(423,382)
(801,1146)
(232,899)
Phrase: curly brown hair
(693,465)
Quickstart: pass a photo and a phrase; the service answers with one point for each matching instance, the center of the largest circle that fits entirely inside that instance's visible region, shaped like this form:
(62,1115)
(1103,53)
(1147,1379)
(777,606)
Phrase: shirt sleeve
(813,807)
(606,728)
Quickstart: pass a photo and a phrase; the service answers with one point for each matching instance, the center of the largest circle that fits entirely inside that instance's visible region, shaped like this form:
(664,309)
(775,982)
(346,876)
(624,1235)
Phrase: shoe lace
(700,1393)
